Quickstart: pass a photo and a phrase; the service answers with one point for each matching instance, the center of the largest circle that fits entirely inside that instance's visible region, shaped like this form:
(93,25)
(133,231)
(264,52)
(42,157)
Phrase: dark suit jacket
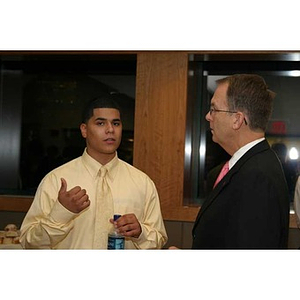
(249,208)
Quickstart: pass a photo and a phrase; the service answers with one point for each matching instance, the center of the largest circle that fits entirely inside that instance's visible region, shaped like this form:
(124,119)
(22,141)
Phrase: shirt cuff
(59,214)
(141,239)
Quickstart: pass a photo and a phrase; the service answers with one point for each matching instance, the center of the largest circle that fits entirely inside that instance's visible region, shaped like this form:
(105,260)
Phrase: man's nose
(208,117)
(109,127)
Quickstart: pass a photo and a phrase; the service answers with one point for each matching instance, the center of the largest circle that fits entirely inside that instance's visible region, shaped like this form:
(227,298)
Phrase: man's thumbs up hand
(75,200)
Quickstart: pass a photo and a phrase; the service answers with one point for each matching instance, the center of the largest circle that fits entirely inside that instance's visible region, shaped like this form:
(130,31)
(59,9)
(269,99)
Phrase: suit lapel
(215,192)
(262,146)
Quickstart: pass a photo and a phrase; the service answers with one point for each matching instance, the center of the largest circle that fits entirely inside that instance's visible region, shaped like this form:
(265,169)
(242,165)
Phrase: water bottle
(115,241)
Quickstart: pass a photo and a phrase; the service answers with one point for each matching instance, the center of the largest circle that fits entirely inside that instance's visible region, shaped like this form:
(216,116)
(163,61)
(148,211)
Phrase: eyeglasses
(212,110)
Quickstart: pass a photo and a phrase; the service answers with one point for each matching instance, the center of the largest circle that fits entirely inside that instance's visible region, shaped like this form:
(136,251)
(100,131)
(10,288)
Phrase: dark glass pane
(54,90)
(283,132)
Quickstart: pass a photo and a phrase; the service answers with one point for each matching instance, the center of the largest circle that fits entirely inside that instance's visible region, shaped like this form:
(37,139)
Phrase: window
(282,75)
(42,97)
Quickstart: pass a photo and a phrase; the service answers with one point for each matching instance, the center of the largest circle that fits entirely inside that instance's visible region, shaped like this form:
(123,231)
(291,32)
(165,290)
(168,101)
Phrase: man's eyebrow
(105,119)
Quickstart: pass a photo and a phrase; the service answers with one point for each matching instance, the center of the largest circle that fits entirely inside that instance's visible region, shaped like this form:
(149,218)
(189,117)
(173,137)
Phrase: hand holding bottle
(128,225)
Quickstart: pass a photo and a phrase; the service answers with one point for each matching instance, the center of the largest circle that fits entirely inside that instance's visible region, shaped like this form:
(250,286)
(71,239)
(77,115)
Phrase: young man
(249,207)
(67,211)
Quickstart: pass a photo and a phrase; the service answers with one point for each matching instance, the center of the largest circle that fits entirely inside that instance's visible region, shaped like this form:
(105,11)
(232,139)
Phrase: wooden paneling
(160,124)
(15,203)
(293,221)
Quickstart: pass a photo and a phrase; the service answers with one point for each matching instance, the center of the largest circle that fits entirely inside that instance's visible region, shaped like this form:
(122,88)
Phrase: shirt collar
(238,154)
(94,166)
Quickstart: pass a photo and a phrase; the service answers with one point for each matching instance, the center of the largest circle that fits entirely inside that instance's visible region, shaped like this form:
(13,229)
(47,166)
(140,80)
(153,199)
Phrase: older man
(248,206)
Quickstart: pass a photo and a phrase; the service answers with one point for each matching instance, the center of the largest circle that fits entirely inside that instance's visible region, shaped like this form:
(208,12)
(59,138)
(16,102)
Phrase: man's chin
(213,138)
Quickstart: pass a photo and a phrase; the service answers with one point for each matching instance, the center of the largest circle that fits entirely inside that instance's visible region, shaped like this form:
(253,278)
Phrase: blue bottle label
(115,242)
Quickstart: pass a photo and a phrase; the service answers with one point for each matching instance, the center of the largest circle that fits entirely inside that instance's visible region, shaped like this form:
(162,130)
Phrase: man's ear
(238,120)
(83,130)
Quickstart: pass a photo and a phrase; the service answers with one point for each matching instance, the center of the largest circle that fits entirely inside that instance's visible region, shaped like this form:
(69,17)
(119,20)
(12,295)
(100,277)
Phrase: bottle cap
(116,217)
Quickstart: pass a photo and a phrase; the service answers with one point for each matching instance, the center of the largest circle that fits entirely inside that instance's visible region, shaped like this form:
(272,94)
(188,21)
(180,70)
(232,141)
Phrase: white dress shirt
(238,154)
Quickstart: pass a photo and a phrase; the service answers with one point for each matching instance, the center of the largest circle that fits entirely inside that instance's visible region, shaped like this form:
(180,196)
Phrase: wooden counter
(22,204)
(15,203)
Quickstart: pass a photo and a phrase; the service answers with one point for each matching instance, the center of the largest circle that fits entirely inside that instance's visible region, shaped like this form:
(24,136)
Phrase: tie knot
(103,172)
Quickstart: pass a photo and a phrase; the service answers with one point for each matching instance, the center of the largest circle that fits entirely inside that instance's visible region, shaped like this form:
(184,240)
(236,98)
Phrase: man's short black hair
(106,101)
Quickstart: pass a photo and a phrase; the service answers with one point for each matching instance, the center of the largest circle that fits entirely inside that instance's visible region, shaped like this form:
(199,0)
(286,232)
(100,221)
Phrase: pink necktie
(223,172)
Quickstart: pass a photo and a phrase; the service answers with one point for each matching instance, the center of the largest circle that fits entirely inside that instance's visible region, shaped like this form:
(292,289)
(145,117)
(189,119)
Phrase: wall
(160,118)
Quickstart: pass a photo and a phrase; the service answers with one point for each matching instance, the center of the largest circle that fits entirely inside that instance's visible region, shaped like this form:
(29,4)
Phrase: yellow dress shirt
(48,224)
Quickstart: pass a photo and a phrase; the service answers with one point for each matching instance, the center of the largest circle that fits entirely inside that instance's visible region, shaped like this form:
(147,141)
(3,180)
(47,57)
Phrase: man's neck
(102,158)
(243,139)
